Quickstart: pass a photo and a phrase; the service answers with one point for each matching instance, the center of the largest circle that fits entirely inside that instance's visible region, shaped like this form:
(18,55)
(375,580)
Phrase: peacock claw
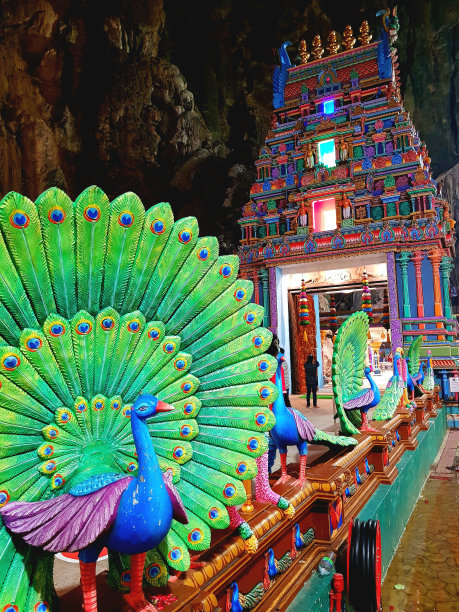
(283,479)
(368,429)
(138,603)
(299,482)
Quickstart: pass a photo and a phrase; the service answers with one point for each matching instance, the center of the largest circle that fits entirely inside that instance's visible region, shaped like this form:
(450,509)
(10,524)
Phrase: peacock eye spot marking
(195,535)
(41,606)
(92,213)
(10,362)
(180,364)
(126,219)
(175,554)
(258,341)
(263,366)
(153,571)
(158,226)
(134,326)
(169,347)
(186,387)
(56,215)
(185,236)
(241,468)
(203,254)
(19,219)
(188,408)
(214,513)
(154,333)
(83,328)
(229,491)
(125,577)
(108,323)
(265,392)
(260,419)
(253,444)
(249,317)
(226,270)
(57,330)
(239,295)
(33,344)
(4,497)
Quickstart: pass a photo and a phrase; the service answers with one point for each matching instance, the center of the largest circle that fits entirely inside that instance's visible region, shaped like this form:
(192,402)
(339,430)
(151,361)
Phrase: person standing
(286,378)
(310,369)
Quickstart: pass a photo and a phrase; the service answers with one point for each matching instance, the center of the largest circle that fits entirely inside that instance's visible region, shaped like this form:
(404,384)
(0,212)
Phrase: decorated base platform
(340,486)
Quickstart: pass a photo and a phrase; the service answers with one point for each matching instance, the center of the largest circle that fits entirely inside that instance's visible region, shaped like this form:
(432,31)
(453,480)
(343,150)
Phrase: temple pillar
(403,260)
(263,273)
(446,266)
(395,323)
(273,299)
(436,257)
(256,287)
(417,258)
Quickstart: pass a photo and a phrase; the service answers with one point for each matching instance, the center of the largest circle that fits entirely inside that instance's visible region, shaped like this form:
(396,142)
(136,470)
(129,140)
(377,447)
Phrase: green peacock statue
(134,392)
(348,368)
(395,390)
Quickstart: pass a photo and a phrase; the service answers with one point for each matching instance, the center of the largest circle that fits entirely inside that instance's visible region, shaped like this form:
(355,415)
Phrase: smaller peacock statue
(134,392)
(415,368)
(348,368)
(294,429)
(395,390)
(429,380)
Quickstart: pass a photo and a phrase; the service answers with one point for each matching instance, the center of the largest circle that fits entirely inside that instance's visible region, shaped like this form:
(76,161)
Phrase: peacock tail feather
(414,355)
(348,364)
(389,403)
(101,301)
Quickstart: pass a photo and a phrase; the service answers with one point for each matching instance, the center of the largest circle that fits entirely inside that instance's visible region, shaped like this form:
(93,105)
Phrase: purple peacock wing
(178,508)
(360,401)
(66,523)
(305,428)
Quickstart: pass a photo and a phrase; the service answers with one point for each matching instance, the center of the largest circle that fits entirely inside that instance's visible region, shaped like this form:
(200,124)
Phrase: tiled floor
(427,560)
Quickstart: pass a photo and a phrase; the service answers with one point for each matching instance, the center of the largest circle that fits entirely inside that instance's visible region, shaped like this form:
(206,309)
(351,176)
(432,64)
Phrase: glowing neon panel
(327,153)
(329,107)
(324,215)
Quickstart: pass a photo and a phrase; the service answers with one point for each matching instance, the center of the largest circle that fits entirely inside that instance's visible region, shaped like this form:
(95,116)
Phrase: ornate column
(436,257)
(417,258)
(403,259)
(263,273)
(256,287)
(395,324)
(446,266)
(273,298)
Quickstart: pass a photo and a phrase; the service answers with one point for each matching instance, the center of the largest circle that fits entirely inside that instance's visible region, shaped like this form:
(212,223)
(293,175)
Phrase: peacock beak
(163,407)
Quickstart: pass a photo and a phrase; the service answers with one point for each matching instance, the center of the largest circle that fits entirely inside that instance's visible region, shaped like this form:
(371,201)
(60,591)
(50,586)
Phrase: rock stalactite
(173,100)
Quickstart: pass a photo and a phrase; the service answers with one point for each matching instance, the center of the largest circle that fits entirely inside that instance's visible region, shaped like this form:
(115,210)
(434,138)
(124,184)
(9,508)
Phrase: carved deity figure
(309,156)
(343,149)
(346,207)
(302,215)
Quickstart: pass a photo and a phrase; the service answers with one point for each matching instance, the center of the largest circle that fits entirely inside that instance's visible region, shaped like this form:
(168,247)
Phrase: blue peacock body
(102,303)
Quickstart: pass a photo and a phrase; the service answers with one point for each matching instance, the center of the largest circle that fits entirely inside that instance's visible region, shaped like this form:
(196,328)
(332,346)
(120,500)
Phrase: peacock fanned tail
(386,408)
(349,353)
(101,301)
(414,355)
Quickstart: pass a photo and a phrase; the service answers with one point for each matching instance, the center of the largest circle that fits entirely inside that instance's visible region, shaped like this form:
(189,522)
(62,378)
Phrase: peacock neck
(149,469)
(279,404)
(396,370)
(371,381)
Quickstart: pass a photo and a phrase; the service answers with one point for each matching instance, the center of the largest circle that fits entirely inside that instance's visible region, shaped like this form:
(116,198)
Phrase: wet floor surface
(427,560)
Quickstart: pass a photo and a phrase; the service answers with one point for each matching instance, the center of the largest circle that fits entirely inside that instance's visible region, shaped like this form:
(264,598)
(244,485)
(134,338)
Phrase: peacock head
(367,370)
(147,406)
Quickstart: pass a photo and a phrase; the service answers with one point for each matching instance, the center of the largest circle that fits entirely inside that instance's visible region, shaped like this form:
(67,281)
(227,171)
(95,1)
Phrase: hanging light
(304,310)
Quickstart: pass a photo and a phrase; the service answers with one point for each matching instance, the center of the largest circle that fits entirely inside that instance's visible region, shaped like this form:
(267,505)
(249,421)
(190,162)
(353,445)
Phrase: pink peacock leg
(263,491)
(88,586)
(302,477)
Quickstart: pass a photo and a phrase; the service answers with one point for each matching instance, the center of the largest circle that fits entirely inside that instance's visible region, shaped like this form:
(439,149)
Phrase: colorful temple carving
(344,182)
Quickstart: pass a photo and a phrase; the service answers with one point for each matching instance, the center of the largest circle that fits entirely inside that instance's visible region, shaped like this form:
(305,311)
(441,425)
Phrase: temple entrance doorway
(326,281)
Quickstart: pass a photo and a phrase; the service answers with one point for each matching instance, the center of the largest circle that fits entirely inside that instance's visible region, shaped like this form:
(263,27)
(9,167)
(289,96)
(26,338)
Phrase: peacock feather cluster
(348,364)
(99,302)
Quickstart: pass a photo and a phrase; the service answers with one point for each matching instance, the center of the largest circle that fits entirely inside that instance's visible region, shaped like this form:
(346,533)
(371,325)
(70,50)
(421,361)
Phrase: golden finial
(365,36)
(333,46)
(317,49)
(348,38)
(303,52)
